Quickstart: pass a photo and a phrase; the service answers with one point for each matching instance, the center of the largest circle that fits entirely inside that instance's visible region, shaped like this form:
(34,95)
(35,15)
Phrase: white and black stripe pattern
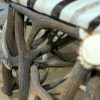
(58,8)
(46,6)
(30,3)
(81,13)
(94,24)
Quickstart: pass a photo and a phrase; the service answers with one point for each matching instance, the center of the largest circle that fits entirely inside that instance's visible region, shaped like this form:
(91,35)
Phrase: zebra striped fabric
(81,13)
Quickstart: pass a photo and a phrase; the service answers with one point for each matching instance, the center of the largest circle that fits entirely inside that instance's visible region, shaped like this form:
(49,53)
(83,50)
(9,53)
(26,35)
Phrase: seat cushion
(81,13)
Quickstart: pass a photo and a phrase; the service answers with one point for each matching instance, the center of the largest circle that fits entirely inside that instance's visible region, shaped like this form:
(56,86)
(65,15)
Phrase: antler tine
(35,88)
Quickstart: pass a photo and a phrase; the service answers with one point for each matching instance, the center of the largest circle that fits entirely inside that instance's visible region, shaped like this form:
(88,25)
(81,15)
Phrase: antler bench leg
(8,83)
(71,86)
(8,79)
(24,63)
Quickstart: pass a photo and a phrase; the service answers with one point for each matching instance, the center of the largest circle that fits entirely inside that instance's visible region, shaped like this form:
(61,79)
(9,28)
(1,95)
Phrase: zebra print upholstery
(81,13)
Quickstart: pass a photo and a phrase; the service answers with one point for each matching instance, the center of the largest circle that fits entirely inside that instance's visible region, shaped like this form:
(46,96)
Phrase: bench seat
(81,13)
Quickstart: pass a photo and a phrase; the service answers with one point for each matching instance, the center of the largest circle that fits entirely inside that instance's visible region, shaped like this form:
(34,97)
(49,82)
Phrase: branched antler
(35,88)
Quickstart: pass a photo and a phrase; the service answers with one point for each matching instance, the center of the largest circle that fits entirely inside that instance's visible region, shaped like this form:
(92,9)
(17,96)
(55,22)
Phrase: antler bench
(80,19)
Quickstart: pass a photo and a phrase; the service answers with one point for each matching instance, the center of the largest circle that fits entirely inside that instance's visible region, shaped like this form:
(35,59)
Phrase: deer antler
(35,89)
